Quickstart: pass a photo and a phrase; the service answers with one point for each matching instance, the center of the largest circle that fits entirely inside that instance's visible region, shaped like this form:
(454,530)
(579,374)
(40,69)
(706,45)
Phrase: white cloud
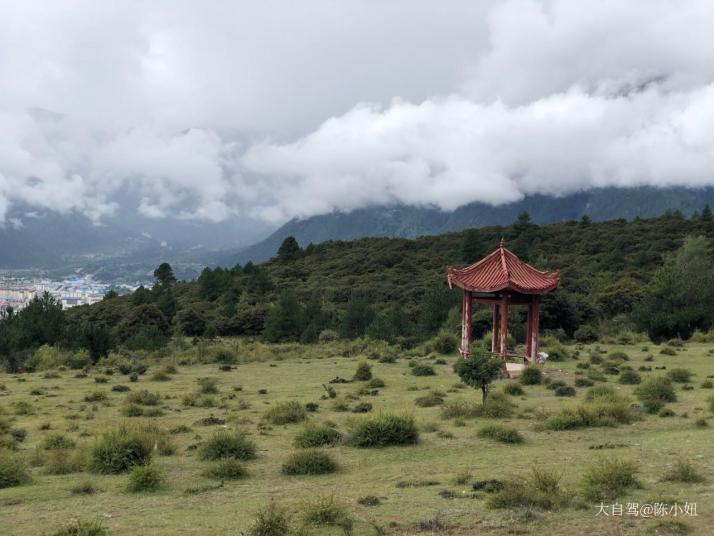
(258,109)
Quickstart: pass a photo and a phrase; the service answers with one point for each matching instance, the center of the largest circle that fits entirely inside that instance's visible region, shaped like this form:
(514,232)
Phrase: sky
(265,111)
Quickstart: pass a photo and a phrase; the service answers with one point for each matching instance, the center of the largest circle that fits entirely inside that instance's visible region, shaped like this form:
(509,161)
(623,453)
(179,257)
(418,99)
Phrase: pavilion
(501,279)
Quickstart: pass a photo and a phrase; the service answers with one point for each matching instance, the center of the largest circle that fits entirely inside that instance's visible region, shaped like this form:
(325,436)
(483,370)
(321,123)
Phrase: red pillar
(495,342)
(504,327)
(465,324)
(529,330)
(535,313)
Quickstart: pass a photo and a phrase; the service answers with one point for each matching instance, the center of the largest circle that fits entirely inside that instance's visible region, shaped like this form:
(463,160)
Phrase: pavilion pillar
(466,324)
(529,330)
(534,314)
(504,327)
(495,340)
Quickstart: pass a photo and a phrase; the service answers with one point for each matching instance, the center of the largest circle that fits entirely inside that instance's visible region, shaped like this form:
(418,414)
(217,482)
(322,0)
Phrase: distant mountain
(410,222)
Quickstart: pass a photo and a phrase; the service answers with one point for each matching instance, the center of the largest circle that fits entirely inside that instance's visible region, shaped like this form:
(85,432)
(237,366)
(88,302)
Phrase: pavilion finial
(503,243)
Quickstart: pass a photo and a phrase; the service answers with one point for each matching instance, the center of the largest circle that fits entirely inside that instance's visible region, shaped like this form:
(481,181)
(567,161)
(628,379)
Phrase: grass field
(416,484)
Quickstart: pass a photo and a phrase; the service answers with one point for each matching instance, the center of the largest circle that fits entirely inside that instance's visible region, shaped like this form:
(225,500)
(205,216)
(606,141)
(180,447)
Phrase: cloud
(268,111)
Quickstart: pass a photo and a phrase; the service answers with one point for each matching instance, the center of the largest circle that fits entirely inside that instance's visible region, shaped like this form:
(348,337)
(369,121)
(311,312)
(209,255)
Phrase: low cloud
(212,114)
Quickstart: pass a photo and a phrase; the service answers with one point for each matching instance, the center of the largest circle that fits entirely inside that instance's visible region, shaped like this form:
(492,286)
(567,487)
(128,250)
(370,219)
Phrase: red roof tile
(502,270)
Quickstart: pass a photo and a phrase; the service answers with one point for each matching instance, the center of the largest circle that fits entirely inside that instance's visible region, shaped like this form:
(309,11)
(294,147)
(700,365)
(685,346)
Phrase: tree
(358,316)
(434,307)
(478,370)
(284,321)
(40,322)
(140,317)
(289,250)
(164,275)
(472,246)
(191,321)
(97,340)
(141,296)
(706,213)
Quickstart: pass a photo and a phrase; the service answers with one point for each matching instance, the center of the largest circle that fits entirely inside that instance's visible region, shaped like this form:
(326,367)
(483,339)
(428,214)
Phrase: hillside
(411,222)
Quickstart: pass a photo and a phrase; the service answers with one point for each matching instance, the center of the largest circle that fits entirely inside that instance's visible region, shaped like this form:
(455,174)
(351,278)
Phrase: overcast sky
(271,110)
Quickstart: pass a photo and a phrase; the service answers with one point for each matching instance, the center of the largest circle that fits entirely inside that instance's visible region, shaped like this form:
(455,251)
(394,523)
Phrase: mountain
(410,222)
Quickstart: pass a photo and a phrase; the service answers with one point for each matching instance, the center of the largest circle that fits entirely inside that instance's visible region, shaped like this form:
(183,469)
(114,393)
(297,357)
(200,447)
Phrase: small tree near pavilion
(478,370)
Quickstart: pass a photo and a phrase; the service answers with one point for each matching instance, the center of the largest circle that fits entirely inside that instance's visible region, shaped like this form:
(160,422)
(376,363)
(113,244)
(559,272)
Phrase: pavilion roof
(502,270)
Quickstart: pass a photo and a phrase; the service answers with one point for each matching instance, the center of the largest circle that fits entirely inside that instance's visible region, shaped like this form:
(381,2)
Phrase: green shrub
(143,398)
(96,396)
(679,375)
(556,351)
(286,413)
(160,376)
(710,401)
(513,389)
(707,384)
(654,392)
(375,383)
(542,490)
(363,372)
(531,375)
(316,435)
(629,377)
(207,386)
(618,356)
(585,334)
(57,441)
(564,390)
(79,527)
(608,478)
(460,409)
(85,487)
(326,511)
(270,521)
(13,471)
(683,471)
(309,462)
(144,478)
(132,410)
(120,388)
(496,407)
(422,369)
(119,450)
(228,469)
(62,462)
(433,398)
(602,407)
(226,444)
(445,343)
(384,430)
(668,350)
(503,434)
(583,382)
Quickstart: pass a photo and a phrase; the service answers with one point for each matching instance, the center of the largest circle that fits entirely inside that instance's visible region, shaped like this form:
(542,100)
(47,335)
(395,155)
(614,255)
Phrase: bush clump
(57,441)
(286,413)
(327,511)
(143,398)
(79,527)
(363,372)
(12,470)
(433,398)
(503,434)
(228,469)
(629,377)
(270,521)
(531,375)
(602,407)
(542,490)
(513,389)
(309,462)
(679,375)
(207,386)
(683,471)
(655,392)
(117,451)
(608,478)
(63,462)
(422,369)
(384,430)
(317,435)
(226,444)
(143,478)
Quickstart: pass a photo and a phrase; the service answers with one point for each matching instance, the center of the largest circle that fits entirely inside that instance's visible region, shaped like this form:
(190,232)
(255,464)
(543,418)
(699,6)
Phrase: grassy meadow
(437,486)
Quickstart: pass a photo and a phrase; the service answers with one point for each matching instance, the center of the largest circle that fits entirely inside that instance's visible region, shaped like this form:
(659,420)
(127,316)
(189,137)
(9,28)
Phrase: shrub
(460,409)
(96,396)
(668,350)
(618,356)
(228,469)
(383,430)
(286,413)
(119,450)
(270,521)
(79,527)
(564,390)
(12,470)
(710,401)
(584,382)
(57,441)
(629,377)
(326,511)
(132,410)
(160,376)
(62,462)
(683,471)
(608,478)
(83,488)
(316,435)
(654,392)
(226,444)
(143,397)
(513,389)
(503,434)
(207,386)
(679,375)
(144,478)
(422,369)
(363,372)
(120,388)
(496,407)
(478,370)
(707,384)
(541,490)
(600,409)
(585,334)
(375,383)
(309,462)
(531,375)
(434,398)
(445,343)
